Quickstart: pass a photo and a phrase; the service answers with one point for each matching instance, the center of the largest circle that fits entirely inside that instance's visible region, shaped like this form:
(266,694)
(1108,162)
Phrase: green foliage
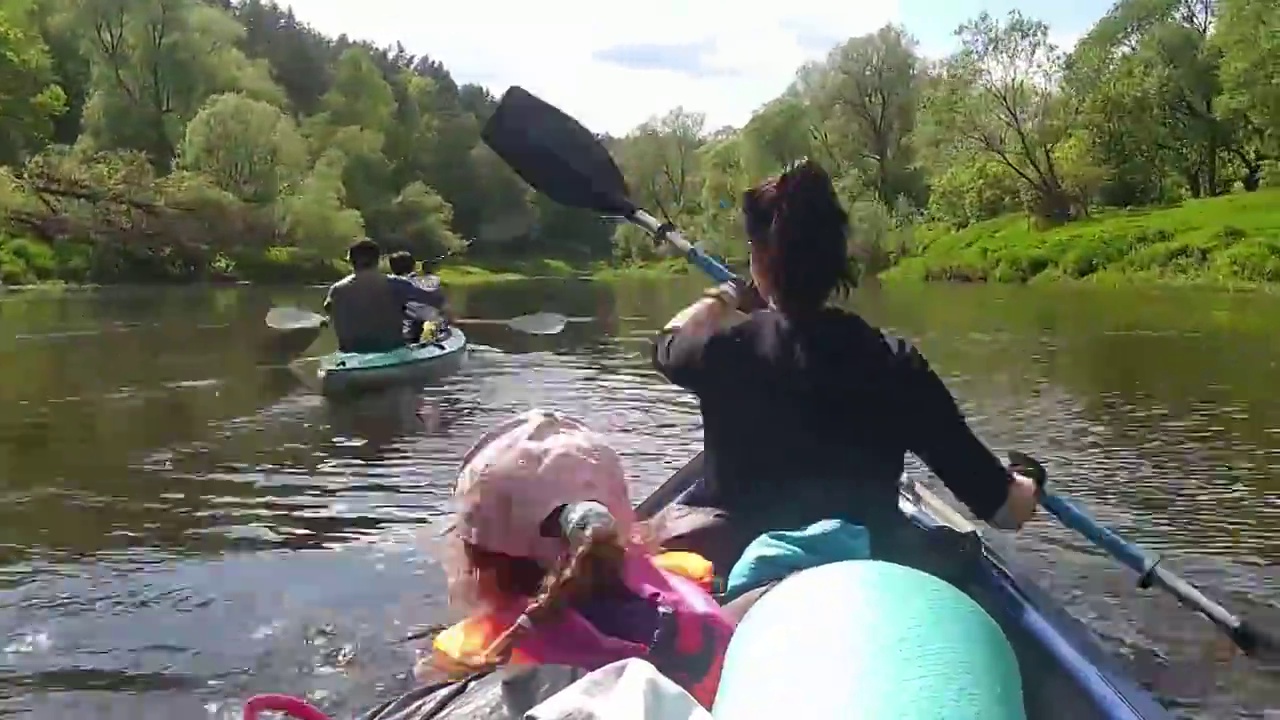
(29,100)
(1235,238)
(192,140)
(247,147)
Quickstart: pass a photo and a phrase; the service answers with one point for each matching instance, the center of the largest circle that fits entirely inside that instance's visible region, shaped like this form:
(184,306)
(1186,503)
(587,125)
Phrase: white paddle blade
(542,323)
(290,318)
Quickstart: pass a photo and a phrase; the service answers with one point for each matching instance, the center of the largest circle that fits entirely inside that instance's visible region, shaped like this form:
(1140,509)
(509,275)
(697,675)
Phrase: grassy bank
(27,263)
(1231,241)
(498,271)
(1227,240)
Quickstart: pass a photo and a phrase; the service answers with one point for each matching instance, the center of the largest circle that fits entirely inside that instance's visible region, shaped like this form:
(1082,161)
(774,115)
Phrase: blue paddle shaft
(1150,573)
(1076,519)
(703,261)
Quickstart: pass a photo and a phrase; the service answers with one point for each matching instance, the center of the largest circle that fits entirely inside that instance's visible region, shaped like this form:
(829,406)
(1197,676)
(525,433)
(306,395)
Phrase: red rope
(289,705)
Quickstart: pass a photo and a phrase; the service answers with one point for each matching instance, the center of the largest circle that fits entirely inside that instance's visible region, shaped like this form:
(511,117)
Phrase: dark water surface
(183,522)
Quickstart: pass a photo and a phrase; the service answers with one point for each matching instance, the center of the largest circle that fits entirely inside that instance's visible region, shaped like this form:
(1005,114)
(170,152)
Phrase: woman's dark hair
(401,262)
(798,216)
(428,266)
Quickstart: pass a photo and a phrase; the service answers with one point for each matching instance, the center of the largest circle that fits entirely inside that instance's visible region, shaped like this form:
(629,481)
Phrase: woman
(808,410)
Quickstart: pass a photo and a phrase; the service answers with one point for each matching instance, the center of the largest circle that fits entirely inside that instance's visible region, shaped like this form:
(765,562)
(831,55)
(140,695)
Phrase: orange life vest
(681,584)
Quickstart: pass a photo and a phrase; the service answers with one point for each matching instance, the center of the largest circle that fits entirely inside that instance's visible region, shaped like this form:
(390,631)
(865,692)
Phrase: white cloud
(547,48)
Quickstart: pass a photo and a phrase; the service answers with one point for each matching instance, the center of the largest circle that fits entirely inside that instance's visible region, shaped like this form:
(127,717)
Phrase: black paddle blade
(556,155)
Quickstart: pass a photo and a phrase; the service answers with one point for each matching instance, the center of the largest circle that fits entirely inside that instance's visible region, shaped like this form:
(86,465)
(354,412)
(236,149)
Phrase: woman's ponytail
(799,216)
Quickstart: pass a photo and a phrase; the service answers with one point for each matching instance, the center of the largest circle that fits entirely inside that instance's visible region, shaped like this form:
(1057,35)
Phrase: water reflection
(183,521)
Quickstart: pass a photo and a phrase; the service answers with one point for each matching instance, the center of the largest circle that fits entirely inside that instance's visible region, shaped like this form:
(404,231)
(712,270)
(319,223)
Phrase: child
(427,278)
(543,553)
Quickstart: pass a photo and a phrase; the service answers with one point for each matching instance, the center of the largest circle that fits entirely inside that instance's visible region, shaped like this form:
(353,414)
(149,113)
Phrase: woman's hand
(1019,505)
(741,295)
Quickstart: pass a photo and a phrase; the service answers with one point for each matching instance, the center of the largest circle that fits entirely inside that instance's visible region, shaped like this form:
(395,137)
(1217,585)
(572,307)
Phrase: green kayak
(342,373)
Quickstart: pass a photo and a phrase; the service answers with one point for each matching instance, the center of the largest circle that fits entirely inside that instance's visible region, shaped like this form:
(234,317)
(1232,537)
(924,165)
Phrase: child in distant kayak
(543,553)
(427,279)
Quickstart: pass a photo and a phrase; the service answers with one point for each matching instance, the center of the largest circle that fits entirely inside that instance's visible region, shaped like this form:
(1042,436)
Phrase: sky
(615,66)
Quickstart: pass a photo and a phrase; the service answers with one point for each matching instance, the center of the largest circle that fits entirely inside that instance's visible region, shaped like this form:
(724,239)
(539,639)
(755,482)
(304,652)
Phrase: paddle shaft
(1151,574)
(664,231)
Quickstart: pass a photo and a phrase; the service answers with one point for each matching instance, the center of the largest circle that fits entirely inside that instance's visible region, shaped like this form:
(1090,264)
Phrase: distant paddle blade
(289,318)
(556,155)
(542,323)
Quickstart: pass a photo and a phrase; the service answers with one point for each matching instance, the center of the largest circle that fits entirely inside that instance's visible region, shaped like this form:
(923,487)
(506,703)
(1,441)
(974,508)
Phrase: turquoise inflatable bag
(868,639)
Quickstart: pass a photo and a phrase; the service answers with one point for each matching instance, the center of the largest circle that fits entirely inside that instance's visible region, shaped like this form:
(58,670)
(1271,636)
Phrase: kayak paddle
(288,319)
(292,318)
(1251,640)
(560,158)
(563,160)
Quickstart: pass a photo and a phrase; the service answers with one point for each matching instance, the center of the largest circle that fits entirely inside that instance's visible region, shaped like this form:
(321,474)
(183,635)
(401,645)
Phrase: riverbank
(480,272)
(26,264)
(1232,240)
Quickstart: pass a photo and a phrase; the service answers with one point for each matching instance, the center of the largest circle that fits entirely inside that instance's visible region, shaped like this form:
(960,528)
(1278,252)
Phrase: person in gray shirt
(367,308)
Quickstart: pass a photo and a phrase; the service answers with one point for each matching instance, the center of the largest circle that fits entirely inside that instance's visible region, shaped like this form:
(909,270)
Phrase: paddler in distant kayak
(367,308)
(808,410)
(544,552)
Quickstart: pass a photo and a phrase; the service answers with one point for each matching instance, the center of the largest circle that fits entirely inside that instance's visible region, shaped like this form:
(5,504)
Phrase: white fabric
(625,690)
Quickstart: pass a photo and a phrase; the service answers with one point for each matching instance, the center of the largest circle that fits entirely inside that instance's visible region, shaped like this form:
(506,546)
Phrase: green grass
(501,271)
(1231,240)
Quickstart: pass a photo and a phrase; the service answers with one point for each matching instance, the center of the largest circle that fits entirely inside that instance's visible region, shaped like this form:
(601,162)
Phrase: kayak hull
(344,373)
(1066,674)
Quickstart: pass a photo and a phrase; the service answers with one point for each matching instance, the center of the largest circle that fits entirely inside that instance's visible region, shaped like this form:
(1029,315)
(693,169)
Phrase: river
(184,523)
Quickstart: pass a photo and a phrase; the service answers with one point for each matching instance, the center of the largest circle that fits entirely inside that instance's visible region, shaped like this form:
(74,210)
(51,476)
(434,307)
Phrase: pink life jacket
(688,647)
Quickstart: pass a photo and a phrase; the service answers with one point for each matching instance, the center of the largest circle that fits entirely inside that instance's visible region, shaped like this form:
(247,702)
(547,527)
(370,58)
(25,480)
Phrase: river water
(184,522)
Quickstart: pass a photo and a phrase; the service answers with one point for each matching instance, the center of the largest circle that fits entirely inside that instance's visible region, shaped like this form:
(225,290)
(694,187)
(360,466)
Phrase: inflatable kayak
(342,373)
(871,639)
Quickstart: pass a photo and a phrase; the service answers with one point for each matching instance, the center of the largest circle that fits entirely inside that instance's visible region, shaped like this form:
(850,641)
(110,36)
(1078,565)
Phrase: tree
(314,216)
(422,220)
(778,134)
(360,96)
(30,101)
(1246,37)
(162,139)
(660,160)
(247,147)
(1002,97)
(869,91)
(154,64)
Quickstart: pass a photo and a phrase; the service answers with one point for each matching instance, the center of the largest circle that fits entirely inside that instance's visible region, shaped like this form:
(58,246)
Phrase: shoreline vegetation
(216,141)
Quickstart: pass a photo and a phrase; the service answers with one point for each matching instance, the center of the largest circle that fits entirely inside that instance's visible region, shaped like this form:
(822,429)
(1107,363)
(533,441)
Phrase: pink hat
(522,470)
